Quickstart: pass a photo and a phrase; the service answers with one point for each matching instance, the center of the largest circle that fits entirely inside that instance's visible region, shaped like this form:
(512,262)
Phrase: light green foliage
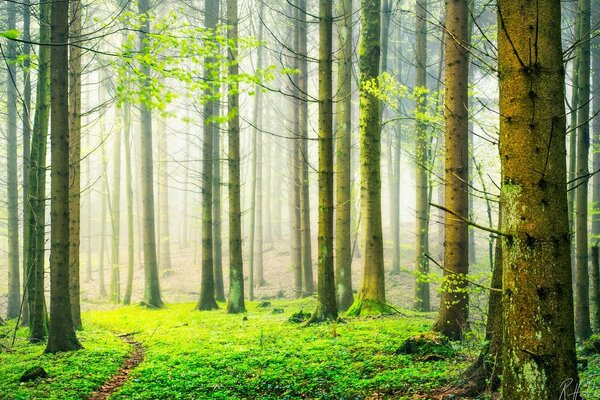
(71,375)
(10,34)
(175,52)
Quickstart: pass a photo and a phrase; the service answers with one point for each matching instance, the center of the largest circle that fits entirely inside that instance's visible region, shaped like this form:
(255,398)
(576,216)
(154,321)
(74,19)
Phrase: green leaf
(10,34)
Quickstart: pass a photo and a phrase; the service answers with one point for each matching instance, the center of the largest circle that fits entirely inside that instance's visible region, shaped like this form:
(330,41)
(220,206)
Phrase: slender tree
(12,203)
(35,206)
(129,190)
(75,163)
(539,344)
(235,302)
(453,316)
(115,214)
(151,283)
(61,330)
(371,297)
(595,289)
(343,214)
(422,302)
(583,327)
(163,196)
(326,301)
(207,289)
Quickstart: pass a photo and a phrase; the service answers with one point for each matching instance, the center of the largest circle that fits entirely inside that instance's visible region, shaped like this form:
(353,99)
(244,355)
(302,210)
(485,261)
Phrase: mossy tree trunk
(35,206)
(343,181)
(151,282)
(422,301)
(12,189)
(61,331)
(453,315)
(326,301)
(538,341)
(75,163)
(583,328)
(207,288)
(371,297)
(235,302)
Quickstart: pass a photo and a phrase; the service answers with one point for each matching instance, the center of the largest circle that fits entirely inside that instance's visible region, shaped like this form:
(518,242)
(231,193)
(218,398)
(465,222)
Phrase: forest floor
(189,354)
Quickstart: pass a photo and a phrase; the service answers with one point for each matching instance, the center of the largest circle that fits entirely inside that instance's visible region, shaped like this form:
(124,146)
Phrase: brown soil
(117,381)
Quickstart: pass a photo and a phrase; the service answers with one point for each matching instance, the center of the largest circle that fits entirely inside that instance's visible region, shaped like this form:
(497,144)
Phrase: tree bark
(61,331)
(452,319)
(538,345)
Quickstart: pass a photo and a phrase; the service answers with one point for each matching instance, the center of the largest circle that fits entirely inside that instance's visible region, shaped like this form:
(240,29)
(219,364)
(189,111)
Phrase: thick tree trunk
(343,215)
(453,316)
(583,328)
(422,302)
(75,163)
(61,331)
(235,302)
(35,210)
(539,345)
(151,282)
(371,297)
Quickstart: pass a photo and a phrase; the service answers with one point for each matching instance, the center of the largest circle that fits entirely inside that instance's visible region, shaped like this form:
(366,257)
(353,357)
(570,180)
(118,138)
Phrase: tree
(35,206)
(326,302)
(371,297)
(595,289)
(453,316)
(343,214)
(207,289)
(151,283)
(583,327)
(14,283)
(129,191)
(61,331)
(163,196)
(75,163)
(115,214)
(235,302)
(302,56)
(539,344)
(422,302)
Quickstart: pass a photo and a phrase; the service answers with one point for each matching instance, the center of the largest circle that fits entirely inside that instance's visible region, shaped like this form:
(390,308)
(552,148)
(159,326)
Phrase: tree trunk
(26,140)
(12,189)
(115,215)
(163,196)
(452,319)
(216,204)
(326,302)
(371,297)
(595,297)
(75,163)
(422,302)
(302,54)
(343,222)
(235,302)
(35,210)
(583,327)
(151,283)
(129,190)
(207,289)
(61,331)
(539,357)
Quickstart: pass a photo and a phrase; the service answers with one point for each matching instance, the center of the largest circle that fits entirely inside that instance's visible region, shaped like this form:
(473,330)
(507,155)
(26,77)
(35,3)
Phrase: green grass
(211,355)
(71,375)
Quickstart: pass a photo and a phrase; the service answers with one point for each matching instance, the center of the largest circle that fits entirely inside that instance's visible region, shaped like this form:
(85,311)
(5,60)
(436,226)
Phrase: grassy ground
(259,355)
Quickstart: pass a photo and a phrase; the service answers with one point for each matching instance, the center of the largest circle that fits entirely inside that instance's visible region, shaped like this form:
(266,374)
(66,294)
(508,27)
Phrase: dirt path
(117,381)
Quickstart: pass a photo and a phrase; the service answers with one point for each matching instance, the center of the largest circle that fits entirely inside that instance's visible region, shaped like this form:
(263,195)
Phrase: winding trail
(116,382)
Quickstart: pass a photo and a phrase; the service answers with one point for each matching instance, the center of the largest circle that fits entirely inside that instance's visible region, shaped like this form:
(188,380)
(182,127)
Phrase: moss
(366,307)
